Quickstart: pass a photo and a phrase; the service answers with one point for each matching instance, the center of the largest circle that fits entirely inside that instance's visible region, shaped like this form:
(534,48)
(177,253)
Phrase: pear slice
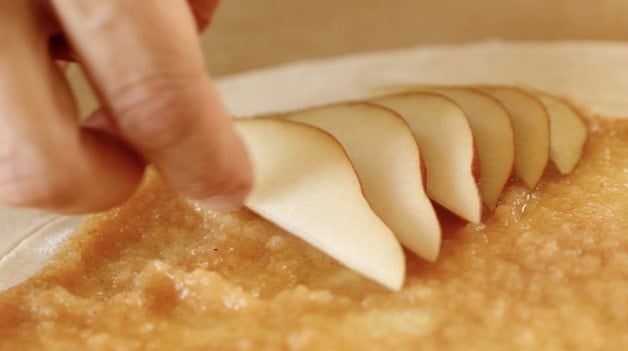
(305,183)
(442,131)
(568,133)
(386,159)
(493,136)
(530,123)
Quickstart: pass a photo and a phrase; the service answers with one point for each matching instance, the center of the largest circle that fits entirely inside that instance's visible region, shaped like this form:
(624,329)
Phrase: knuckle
(157,112)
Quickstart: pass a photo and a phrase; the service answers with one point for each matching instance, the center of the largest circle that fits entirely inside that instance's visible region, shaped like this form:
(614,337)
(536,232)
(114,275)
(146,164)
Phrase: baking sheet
(594,74)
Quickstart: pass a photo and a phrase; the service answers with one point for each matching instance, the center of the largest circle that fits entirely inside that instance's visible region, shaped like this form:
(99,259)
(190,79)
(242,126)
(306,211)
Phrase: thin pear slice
(305,183)
(442,131)
(530,124)
(386,159)
(568,133)
(493,136)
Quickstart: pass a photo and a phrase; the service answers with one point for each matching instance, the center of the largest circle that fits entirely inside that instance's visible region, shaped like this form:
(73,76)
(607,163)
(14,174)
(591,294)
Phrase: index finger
(144,60)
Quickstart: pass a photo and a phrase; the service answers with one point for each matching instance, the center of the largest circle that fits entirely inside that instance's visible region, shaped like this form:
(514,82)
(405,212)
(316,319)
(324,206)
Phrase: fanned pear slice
(530,123)
(442,131)
(568,133)
(305,183)
(493,136)
(386,159)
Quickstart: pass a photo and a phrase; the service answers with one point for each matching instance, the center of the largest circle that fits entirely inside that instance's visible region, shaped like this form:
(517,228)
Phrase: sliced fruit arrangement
(493,135)
(305,183)
(347,178)
(531,127)
(442,131)
(387,161)
(568,132)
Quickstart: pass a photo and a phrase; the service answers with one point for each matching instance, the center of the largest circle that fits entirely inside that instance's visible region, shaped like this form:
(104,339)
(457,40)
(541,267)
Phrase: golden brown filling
(547,269)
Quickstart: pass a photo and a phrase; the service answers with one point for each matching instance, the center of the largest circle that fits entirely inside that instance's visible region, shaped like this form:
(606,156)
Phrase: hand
(144,61)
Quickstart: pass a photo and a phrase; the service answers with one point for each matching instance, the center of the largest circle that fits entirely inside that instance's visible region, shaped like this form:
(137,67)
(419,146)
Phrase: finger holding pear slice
(305,183)
(386,158)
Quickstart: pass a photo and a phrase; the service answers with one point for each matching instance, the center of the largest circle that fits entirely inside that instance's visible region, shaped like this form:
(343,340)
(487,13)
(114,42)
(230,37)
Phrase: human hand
(144,61)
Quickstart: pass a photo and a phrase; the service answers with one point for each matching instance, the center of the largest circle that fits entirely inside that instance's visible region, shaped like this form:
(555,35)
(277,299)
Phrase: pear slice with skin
(386,158)
(493,136)
(442,131)
(568,132)
(530,124)
(305,183)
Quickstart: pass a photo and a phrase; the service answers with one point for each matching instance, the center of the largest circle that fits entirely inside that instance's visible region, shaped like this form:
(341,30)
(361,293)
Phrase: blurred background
(251,34)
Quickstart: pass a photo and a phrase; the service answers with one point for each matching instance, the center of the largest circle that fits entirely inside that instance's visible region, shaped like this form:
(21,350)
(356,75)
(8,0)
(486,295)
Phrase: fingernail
(221,203)
(225,202)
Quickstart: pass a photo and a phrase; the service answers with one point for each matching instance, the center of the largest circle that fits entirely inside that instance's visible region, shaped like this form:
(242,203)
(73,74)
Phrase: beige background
(250,34)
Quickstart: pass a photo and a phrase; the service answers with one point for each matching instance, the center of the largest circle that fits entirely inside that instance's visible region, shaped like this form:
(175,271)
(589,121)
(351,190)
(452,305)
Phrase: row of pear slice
(356,179)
